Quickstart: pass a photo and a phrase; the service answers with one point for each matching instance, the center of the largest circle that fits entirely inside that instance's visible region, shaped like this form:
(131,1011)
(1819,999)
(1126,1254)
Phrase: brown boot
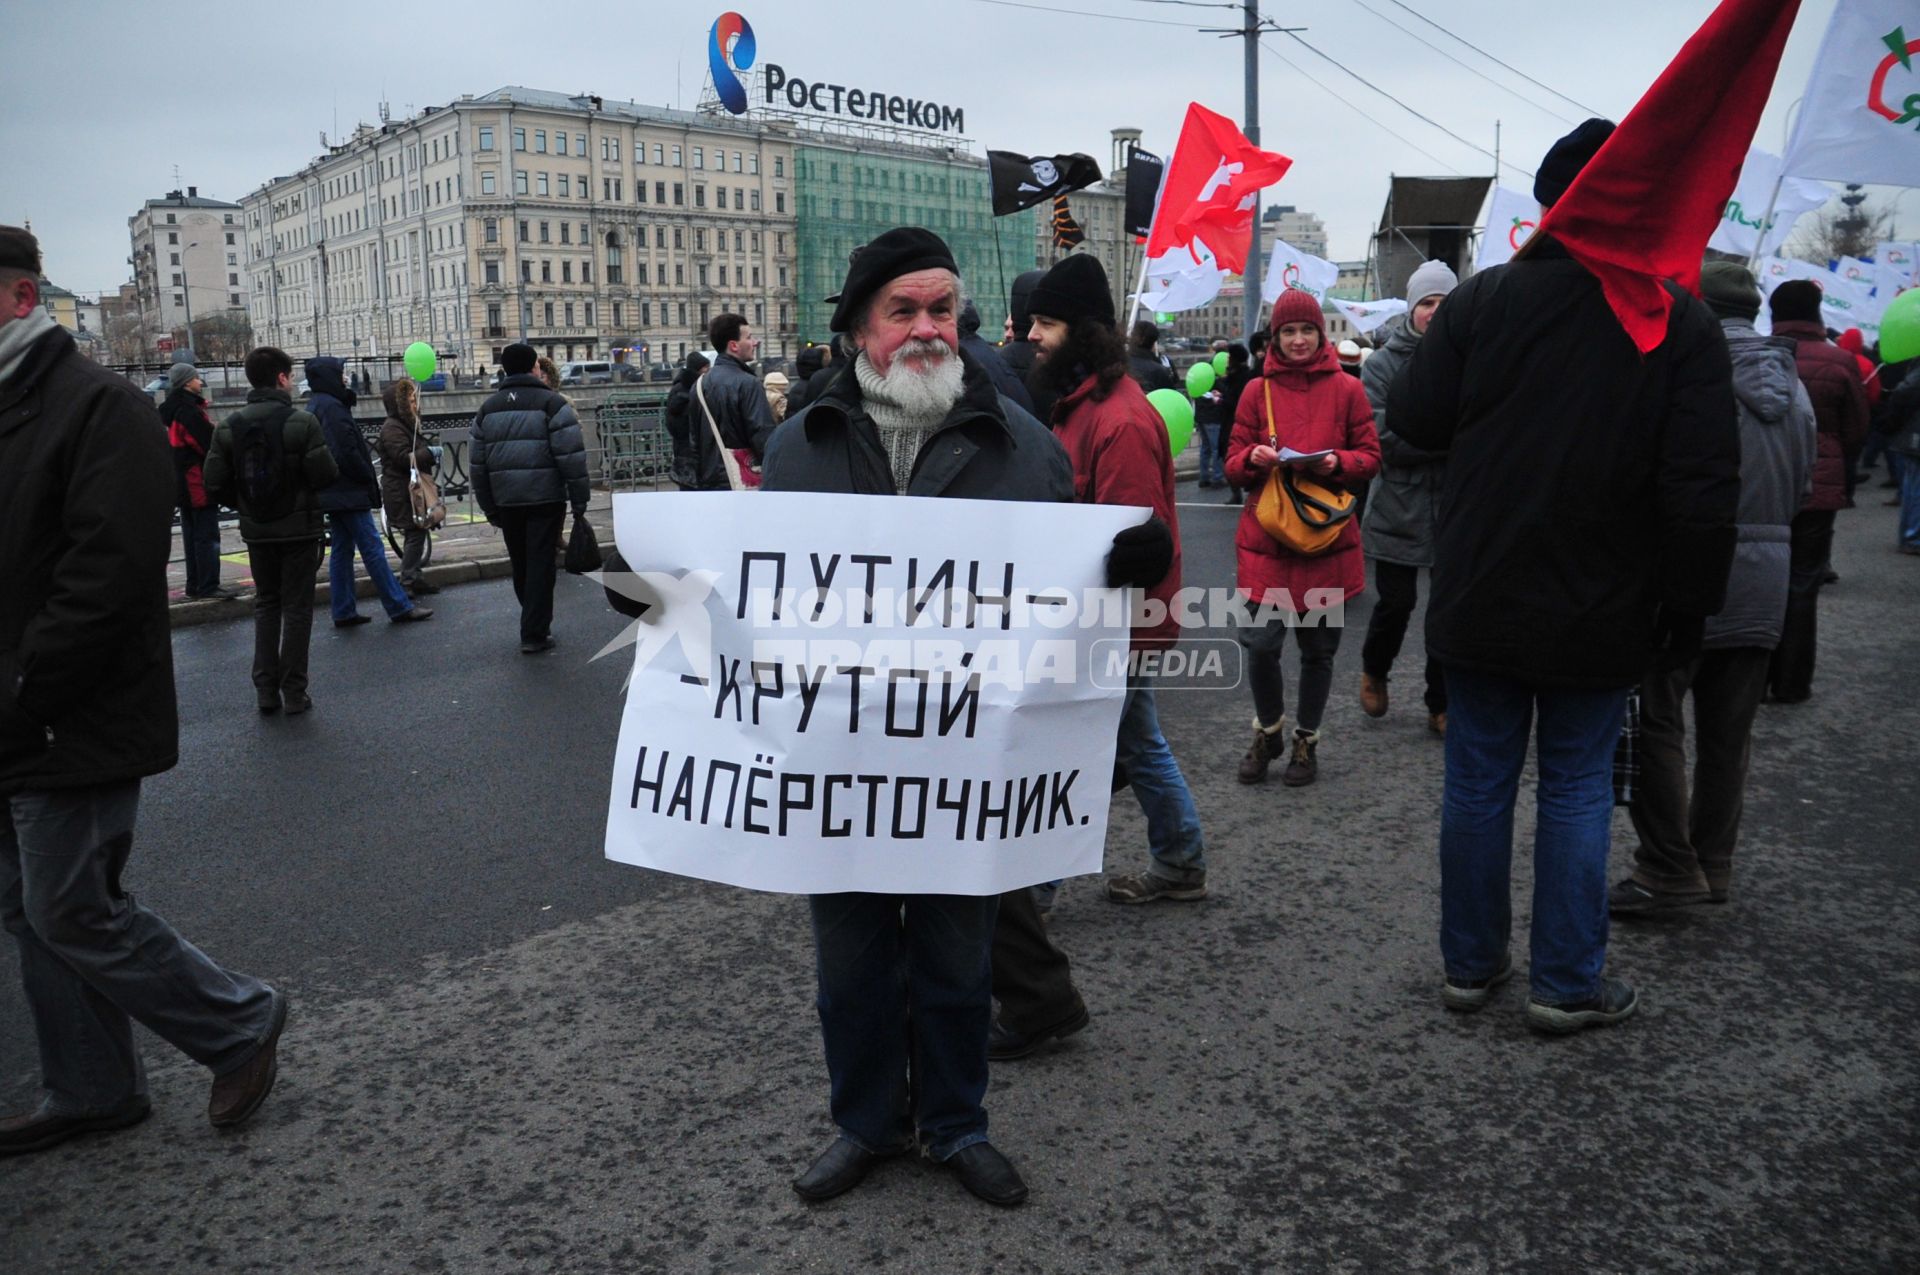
(1267,743)
(1437,723)
(1373,695)
(1301,765)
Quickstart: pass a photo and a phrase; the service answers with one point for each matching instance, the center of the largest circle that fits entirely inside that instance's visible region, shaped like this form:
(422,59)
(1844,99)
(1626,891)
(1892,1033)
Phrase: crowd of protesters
(1609,524)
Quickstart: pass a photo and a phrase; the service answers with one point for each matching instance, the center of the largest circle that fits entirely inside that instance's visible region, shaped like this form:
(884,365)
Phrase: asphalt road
(507,1054)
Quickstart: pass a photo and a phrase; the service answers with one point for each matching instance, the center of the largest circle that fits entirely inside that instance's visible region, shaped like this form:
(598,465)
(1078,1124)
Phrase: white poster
(1288,267)
(1860,118)
(1854,270)
(1843,303)
(1512,216)
(878,693)
(1894,269)
(1739,228)
(1366,316)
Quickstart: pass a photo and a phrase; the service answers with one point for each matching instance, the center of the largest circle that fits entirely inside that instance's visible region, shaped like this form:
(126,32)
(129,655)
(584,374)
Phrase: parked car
(438,381)
(593,372)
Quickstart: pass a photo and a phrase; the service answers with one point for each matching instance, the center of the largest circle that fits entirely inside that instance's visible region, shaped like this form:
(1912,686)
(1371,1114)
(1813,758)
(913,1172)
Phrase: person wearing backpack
(269,460)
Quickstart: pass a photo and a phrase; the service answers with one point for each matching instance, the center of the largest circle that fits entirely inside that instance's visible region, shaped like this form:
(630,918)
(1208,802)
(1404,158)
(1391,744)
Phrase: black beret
(900,251)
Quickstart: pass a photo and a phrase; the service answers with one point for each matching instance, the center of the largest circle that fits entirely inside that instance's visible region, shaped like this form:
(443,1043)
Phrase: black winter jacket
(739,406)
(1150,371)
(307,468)
(527,449)
(988,356)
(86,654)
(357,488)
(986,449)
(1587,487)
(678,418)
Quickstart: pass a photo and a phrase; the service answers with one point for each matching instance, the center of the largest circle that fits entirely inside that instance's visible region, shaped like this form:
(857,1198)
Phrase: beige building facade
(590,228)
(186,260)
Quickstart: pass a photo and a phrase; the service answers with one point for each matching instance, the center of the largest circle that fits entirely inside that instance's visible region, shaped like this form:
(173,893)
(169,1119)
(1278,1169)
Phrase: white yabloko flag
(1844,303)
(1288,267)
(1860,121)
(1895,269)
(1511,219)
(1366,316)
(1739,227)
(1182,278)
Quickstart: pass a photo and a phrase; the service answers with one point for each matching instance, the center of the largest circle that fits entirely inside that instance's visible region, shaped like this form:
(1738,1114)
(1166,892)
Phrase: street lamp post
(186,291)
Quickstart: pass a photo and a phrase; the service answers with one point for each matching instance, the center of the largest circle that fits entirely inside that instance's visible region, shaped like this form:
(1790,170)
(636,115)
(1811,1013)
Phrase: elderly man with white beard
(906,981)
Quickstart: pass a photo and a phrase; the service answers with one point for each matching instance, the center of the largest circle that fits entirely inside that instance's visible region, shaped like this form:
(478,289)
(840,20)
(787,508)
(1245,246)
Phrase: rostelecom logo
(729,51)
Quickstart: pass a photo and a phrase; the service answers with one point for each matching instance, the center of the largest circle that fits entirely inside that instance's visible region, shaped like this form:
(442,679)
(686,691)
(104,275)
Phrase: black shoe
(352,620)
(267,701)
(1830,576)
(1469,994)
(1615,1002)
(413,615)
(1630,898)
(1003,1043)
(840,1168)
(537,646)
(987,1174)
(42,1127)
(298,704)
(420,587)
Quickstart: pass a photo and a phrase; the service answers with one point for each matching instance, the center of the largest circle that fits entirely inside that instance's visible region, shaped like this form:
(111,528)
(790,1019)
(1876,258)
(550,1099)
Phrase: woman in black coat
(402,450)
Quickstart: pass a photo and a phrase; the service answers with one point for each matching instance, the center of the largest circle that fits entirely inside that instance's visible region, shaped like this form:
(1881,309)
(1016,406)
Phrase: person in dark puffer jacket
(349,502)
(1832,379)
(528,464)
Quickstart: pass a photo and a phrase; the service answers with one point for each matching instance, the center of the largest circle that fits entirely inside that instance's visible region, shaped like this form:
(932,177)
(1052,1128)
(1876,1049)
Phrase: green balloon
(1176,409)
(1900,328)
(1199,379)
(1220,363)
(421,361)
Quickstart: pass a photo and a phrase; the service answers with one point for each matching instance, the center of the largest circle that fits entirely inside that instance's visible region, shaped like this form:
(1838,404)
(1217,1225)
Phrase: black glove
(1141,556)
(1677,637)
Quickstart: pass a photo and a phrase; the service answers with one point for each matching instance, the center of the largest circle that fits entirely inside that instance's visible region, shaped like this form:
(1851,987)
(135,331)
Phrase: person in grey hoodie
(1685,855)
(1397,529)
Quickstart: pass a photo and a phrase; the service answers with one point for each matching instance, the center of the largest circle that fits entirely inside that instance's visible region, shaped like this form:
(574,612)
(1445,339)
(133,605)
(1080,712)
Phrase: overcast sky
(107,97)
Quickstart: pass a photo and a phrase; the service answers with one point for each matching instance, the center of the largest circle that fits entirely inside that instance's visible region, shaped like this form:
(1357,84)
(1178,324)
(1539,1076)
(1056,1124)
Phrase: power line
(1471,70)
(1397,102)
(1084,13)
(1194,4)
(1356,109)
(1483,53)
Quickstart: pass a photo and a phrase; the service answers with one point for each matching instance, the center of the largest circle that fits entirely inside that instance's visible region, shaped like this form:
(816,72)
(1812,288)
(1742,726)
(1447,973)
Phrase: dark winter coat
(86,655)
(1587,486)
(1776,473)
(1146,368)
(739,406)
(189,434)
(986,449)
(357,489)
(1832,378)
(988,356)
(1316,407)
(527,449)
(1901,408)
(678,418)
(398,457)
(1120,455)
(1404,501)
(309,468)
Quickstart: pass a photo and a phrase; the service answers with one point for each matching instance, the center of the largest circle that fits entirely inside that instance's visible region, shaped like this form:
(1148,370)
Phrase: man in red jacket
(1121,456)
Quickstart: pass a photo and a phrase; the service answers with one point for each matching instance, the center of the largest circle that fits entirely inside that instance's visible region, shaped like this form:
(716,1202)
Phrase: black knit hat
(518,359)
(1075,289)
(1566,157)
(1796,301)
(902,250)
(1728,288)
(19,250)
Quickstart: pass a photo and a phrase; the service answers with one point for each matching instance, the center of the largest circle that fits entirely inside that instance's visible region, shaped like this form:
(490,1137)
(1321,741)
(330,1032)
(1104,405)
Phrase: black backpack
(260,467)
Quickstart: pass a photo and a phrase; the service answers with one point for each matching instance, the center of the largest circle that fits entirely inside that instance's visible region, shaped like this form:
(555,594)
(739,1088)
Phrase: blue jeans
(906,993)
(1907,469)
(1173,825)
(1488,720)
(93,960)
(1213,460)
(355,530)
(200,548)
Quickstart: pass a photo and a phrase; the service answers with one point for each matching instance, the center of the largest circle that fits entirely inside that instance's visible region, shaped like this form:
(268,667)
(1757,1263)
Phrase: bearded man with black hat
(906,981)
(1584,531)
(1121,456)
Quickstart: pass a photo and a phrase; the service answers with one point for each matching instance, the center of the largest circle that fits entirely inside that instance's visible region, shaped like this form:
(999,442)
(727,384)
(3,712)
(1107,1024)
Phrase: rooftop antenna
(176,176)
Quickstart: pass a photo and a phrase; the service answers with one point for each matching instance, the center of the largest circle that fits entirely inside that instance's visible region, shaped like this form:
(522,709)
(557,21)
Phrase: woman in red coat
(1302,400)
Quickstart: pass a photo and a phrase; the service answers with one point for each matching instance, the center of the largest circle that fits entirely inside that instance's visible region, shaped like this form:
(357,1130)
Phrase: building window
(177,298)
(676,164)
(519,139)
(569,313)
(657,152)
(545,233)
(546,272)
(640,272)
(547,311)
(176,278)
(493,320)
(542,187)
(526,271)
(759,314)
(566,272)
(699,239)
(490,231)
(780,201)
(523,232)
(540,141)
(564,181)
(783,276)
(679,237)
(486,181)
(233,259)
(640,192)
(486,139)
(683,314)
(700,158)
(720,197)
(753,200)
(706,314)
(580,144)
(756,276)
(646,314)
(229,236)
(679,195)
(639,151)
(736,162)
(779,166)
(659,192)
(679,275)
(233,280)
(520,182)
(586,272)
(173,258)
(493,272)
(560,144)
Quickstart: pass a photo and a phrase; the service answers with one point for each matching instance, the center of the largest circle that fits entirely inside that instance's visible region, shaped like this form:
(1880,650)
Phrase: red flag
(1211,188)
(1643,209)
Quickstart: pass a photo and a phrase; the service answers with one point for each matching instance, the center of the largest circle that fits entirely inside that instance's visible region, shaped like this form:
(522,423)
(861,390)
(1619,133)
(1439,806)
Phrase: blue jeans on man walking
(1173,824)
(1489,718)
(355,530)
(1907,470)
(1213,449)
